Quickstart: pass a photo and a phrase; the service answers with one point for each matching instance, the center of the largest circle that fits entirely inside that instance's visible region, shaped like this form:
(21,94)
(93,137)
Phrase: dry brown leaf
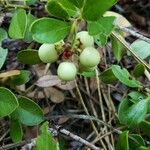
(62,120)
(48,81)
(66,86)
(9,73)
(39,94)
(55,95)
(93,84)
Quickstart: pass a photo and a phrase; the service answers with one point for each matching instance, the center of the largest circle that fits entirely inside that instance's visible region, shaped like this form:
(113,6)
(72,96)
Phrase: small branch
(134,33)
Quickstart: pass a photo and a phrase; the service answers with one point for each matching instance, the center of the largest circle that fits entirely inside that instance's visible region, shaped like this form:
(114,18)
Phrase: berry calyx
(84,39)
(67,71)
(89,57)
(48,53)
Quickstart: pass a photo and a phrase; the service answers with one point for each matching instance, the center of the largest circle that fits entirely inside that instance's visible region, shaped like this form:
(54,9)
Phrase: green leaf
(16,132)
(141,48)
(144,148)
(117,48)
(77,3)
(30,2)
(103,25)
(101,39)
(28,112)
(46,140)
(132,114)
(136,96)
(3,35)
(88,74)
(124,76)
(55,8)
(71,9)
(49,30)
(3,55)
(18,24)
(123,143)
(139,70)
(20,79)
(135,141)
(93,10)
(28,56)
(145,127)
(8,102)
(28,34)
(107,76)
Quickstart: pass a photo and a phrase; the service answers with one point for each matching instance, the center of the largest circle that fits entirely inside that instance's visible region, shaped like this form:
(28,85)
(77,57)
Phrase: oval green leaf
(139,70)
(28,112)
(56,9)
(18,24)
(77,3)
(49,30)
(8,102)
(3,35)
(29,57)
(3,55)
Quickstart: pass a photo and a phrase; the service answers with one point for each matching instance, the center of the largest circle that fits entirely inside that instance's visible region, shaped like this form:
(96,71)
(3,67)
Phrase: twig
(134,33)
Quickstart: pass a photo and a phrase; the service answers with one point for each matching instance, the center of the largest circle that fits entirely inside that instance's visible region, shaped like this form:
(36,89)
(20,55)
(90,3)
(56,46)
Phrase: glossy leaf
(49,30)
(123,143)
(141,48)
(8,102)
(21,79)
(18,24)
(132,114)
(107,76)
(145,127)
(123,76)
(117,48)
(46,140)
(28,112)
(16,132)
(3,35)
(139,70)
(55,8)
(28,56)
(93,10)
(3,55)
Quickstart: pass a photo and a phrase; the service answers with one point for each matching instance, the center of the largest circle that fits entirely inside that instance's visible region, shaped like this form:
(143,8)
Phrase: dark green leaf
(141,48)
(46,140)
(55,8)
(28,34)
(123,76)
(88,74)
(30,2)
(144,148)
(3,35)
(103,25)
(145,127)
(28,112)
(16,131)
(132,114)
(138,70)
(3,55)
(107,76)
(28,56)
(101,39)
(122,143)
(135,141)
(8,102)
(21,79)
(93,10)
(118,49)
(49,30)
(18,24)
(77,3)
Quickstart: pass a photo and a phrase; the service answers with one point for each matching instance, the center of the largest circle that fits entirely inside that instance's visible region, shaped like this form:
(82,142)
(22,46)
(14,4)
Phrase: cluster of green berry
(89,57)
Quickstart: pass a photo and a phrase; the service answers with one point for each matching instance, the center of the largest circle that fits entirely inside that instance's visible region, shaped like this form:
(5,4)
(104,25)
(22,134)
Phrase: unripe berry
(85,39)
(67,71)
(89,57)
(48,53)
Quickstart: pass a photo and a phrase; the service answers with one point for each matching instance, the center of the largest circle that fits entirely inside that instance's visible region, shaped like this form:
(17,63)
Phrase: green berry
(67,71)
(89,57)
(48,53)
(85,39)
